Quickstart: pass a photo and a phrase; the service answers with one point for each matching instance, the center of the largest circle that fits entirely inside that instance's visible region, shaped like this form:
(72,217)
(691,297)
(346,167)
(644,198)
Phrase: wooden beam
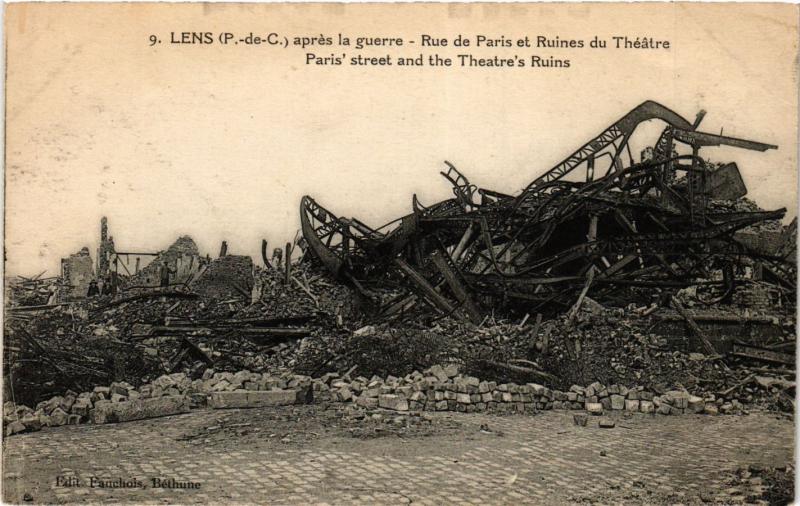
(427,290)
(288,263)
(763,354)
(456,285)
(709,349)
(462,244)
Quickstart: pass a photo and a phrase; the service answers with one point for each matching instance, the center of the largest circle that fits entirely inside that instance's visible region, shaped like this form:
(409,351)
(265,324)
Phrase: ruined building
(598,223)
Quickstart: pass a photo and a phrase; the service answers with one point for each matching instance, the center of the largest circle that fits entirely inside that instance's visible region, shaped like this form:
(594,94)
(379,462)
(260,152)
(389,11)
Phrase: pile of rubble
(439,388)
(596,223)
(444,389)
(167,395)
(136,336)
(658,275)
(610,346)
(33,291)
(678,266)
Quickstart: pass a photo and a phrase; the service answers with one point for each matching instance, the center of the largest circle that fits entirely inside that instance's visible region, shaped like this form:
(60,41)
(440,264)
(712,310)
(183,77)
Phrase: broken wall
(763,241)
(182,257)
(78,271)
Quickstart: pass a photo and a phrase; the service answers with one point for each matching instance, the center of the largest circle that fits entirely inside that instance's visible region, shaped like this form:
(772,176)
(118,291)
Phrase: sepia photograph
(400,253)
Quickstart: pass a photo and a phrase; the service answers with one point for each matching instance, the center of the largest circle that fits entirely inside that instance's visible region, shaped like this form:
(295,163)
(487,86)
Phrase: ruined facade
(182,259)
(106,250)
(77,271)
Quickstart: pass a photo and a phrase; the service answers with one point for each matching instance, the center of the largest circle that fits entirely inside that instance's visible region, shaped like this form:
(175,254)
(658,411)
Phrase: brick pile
(118,402)
(444,389)
(168,395)
(439,388)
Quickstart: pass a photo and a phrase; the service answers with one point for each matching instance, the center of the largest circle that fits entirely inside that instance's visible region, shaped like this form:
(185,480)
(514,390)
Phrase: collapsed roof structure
(630,235)
(597,221)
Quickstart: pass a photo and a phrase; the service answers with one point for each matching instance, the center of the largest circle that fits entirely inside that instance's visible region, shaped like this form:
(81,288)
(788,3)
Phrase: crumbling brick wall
(764,241)
(182,257)
(78,271)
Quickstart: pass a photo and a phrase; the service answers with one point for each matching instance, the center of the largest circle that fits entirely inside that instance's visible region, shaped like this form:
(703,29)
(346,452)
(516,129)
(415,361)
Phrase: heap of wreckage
(664,222)
(667,245)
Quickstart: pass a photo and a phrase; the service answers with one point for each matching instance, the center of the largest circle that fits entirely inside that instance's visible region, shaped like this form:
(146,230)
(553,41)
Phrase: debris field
(607,284)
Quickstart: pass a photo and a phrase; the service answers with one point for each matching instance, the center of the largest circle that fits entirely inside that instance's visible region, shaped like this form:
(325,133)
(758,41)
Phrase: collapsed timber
(667,222)
(667,235)
(657,276)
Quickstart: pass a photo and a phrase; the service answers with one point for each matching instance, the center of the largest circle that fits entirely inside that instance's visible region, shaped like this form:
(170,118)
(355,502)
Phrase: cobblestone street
(234,455)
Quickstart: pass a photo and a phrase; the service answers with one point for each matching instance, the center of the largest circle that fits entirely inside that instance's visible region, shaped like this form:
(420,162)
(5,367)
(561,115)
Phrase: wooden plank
(249,331)
(288,264)
(462,244)
(401,304)
(35,308)
(427,290)
(708,348)
(574,312)
(454,282)
(762,354)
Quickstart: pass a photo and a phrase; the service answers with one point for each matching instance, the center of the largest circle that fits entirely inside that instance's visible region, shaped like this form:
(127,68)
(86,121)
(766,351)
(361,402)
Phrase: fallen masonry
(597,221)
(253,399)
(106,411)
(431,390)
(607,286)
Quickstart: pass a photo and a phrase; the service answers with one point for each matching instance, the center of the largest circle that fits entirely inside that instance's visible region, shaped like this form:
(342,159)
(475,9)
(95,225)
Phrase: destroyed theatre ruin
(616,281)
